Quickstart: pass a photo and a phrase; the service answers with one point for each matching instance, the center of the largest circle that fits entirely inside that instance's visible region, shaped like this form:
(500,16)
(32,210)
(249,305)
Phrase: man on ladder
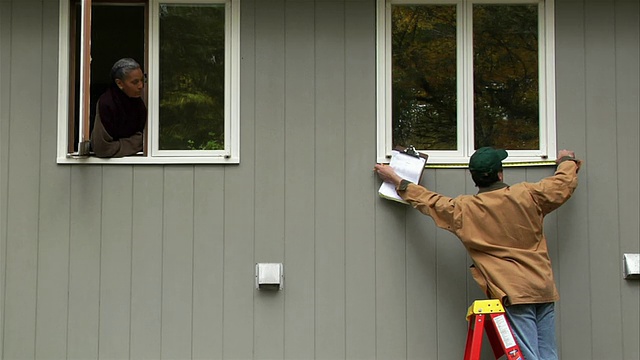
(502,229)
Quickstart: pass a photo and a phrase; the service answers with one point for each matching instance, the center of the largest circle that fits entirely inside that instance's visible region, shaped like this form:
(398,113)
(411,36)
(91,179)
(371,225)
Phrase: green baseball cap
(487,160)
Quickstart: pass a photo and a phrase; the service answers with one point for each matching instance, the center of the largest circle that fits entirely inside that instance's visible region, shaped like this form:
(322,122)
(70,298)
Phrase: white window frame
(231,152)
(464,53)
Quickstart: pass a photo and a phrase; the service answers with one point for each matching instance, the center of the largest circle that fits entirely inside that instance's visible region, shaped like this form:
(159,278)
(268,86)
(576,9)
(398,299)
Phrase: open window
(189,52)
(457,75)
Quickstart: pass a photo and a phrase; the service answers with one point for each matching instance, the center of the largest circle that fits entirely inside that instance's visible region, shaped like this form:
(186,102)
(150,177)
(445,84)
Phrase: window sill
(505,164)
(146,160)
(442,161)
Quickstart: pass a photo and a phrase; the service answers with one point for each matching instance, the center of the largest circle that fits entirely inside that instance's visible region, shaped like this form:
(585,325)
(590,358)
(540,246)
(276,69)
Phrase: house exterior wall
(150,261)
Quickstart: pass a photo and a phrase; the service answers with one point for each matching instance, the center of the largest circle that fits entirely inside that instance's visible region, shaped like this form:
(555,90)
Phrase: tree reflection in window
(505,58)
(424,76)
(192,77)
(505,76)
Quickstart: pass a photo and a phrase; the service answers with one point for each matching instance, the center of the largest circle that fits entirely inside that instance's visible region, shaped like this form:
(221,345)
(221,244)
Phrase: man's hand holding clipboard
(407,164)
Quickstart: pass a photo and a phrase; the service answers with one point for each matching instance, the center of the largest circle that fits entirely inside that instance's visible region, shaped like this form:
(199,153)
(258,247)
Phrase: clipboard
(409,164)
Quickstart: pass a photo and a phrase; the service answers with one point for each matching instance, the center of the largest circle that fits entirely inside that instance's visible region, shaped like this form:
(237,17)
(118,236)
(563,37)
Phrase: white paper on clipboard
(408,167)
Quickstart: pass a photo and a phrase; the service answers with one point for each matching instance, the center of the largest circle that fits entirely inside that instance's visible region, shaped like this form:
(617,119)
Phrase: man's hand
(571,154)
(387,174)
(563,153)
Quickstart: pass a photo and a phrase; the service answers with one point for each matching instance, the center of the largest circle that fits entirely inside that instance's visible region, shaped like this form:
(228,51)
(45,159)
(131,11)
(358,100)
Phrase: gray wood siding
(150,262)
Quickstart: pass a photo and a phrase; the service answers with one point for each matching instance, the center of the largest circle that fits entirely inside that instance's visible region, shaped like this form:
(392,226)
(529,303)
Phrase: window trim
(455,158)
(231,153)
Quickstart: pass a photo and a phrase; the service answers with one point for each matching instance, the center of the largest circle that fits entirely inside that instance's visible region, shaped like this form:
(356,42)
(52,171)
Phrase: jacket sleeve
(553,191)
(105,146)
(439,207)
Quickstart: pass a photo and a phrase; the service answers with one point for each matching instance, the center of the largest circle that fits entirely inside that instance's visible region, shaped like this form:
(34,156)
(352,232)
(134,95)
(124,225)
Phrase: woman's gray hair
(122,68)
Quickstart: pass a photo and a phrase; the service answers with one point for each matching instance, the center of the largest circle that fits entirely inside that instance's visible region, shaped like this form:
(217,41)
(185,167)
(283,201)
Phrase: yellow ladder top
(485,307)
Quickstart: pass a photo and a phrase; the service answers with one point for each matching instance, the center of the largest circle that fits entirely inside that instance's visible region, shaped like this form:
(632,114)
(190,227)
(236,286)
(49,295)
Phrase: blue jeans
(534,326)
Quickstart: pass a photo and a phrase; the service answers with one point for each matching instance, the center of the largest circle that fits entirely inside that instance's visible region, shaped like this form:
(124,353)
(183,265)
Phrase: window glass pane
(424,76)
(505,56)
(192,74)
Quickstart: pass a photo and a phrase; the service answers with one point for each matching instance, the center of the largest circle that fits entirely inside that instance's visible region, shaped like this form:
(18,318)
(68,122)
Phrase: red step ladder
(489,316)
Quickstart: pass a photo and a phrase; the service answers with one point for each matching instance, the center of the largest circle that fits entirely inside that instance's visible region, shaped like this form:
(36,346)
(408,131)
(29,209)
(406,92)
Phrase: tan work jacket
(502,229)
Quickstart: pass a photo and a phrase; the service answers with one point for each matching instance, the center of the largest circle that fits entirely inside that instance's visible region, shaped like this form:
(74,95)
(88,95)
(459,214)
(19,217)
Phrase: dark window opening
(117,31)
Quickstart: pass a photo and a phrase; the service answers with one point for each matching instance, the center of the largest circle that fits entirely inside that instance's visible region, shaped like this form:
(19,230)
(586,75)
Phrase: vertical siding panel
(451,268)
(5,102)
(628,114)
(516,175)
(177,263)
(208,262)
(299,206)
(239,215)
(55,208)
(269,189)
(603,216)
(23,181)
(574,313)
(360,180)
(422,330)
(115,262)
(146,264)
(330,187)
(391,232)
(84,262)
